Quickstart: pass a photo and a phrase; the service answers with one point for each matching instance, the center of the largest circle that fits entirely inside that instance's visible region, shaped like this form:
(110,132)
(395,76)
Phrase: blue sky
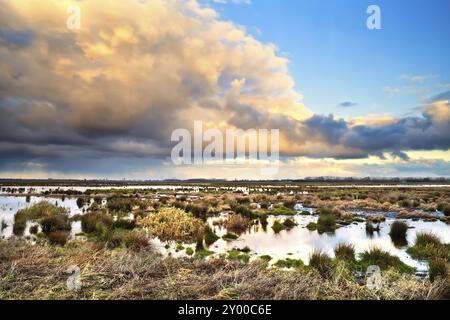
(105,99)
(335,58)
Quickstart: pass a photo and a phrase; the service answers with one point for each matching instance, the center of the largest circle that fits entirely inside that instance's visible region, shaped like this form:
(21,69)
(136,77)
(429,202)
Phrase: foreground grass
(38,272)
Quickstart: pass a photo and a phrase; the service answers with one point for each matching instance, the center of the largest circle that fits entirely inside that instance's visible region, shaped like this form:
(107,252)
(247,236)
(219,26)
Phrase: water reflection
(299,242)
(9,205)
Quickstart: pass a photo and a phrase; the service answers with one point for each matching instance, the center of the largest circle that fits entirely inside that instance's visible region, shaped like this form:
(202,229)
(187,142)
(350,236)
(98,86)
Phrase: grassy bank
(39,272)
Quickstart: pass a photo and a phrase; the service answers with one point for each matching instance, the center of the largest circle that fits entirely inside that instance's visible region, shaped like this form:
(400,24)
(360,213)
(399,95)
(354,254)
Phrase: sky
(102,100)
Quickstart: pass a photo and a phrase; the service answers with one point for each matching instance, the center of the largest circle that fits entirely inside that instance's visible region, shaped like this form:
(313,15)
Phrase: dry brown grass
(237,223)
(38,272)
(170,224)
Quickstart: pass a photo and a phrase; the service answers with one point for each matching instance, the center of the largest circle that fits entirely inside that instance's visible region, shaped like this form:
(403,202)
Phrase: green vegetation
(277,226)
(265,258)
(383,259)
(428,246)
(398,230)
(189,251)
(326,223)
(438,267)
(444,208)
(128,275)
(282,211)
(124,224)
(229,236)
(209,236)
(203,253)
(244,211)
(289,263)
(136,240)
(54,221)
(80,202)
(237,255)
(96,222)
(119,204)
(312,226)
(289,224)
(322,263)
(345,252)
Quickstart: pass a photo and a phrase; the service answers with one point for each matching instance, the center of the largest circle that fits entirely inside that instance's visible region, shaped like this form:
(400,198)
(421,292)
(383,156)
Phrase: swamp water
(297,243)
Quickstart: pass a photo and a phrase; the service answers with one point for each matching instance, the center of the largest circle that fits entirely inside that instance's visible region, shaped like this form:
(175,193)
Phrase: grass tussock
(136,240)
(345,252)
(146,275)
(209,236)
(170,224)
(398,230)
(322,262)
(428,246)
(237,223)
(326,223)
(383,259)
(54,222)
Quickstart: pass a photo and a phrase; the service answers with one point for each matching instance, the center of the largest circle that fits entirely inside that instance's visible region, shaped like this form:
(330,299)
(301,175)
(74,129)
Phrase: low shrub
(198,211)
(265,258)
(116,241)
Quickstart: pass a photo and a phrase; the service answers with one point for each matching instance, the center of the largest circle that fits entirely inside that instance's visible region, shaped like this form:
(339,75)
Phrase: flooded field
(260,238)
(311,236)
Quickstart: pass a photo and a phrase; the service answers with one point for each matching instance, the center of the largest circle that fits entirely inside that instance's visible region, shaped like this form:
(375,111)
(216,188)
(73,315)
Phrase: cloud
(347,104)
(415,78)
(107,97)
